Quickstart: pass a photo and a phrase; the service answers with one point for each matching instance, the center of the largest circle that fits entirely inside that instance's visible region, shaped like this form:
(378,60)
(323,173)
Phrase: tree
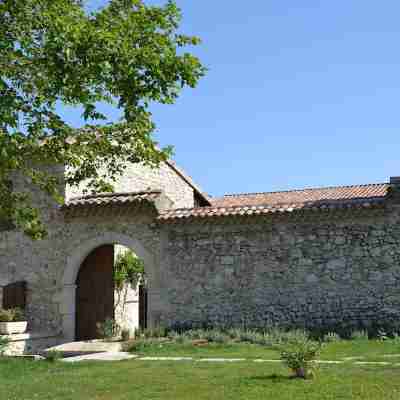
(53,52)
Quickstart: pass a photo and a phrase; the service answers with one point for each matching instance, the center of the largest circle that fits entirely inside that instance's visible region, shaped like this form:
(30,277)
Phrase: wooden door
(95,292)
(142,307)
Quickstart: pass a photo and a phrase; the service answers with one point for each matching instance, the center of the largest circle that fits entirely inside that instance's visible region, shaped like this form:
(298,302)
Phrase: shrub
(108,329)
(248,336)
(396,338)
(297,335)
(158,332)
(234,333)
(277,335)
(4,342)
(216,336)
(359,335)
(331,337)
(140,345)
(299,355)
(382,335)
(195,334)
(12,315)
(53,355)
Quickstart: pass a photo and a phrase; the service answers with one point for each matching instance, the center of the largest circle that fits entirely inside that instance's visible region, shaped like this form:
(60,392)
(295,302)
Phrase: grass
(130,380)
(369,350)
(136,379)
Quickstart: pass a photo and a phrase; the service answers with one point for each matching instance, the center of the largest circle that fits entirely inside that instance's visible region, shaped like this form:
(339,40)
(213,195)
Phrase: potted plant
(12,320)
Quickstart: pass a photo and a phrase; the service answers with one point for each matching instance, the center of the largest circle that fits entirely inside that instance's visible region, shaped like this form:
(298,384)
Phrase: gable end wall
(138,177)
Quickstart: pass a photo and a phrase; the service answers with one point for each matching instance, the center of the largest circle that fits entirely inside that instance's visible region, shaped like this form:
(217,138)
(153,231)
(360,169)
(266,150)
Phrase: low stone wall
(332,271)
(30,343)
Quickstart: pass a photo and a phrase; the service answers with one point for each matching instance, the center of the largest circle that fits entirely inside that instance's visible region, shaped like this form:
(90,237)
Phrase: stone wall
(29,343)
(44,264)
(36,262)
(137,177)
(326,271)
(316,270)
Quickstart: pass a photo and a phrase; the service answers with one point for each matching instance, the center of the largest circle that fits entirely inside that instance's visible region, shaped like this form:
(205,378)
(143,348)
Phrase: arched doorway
(80,250)
(94,292)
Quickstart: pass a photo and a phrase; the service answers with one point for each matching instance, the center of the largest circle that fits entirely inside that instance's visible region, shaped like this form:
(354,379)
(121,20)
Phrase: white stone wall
(138,177)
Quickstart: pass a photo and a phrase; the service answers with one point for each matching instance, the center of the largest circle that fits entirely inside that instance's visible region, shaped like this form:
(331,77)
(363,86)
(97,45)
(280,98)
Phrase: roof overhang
(117,203)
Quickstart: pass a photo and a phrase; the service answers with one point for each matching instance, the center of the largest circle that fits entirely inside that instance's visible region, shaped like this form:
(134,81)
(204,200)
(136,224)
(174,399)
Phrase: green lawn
(27,380)
(145,380)
(369,350)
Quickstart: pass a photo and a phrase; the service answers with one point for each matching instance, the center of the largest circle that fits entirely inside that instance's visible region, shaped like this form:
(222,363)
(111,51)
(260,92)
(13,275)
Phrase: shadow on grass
(275,378)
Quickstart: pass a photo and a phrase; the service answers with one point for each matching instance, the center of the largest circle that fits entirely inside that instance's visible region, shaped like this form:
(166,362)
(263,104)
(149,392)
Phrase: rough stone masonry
(317,258)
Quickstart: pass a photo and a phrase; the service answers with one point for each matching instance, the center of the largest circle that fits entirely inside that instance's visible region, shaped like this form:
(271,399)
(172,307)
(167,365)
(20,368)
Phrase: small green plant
(248,336)
(157,332)
(108,329)
(277,335)
(331,337)
(140,345)
(53,355)
(299,355)
(216,336)
(296,335)
(234,333)
(382,335)
(396,338)
(12,315)
(4,342)
(359,335)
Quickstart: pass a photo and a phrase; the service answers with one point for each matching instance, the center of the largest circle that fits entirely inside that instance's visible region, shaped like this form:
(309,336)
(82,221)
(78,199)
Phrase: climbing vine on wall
(128,269)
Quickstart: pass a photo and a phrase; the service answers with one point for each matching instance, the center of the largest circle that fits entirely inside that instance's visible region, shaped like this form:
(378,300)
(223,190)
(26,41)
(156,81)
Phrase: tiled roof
(111,199)
(339,193)
(342,197)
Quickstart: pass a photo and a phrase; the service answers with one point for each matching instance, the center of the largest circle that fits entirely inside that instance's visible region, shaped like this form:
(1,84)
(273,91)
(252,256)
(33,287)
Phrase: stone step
(107,356)
(74,349)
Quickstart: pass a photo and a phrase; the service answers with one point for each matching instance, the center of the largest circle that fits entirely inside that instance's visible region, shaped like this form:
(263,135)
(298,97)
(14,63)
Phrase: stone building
(317,258)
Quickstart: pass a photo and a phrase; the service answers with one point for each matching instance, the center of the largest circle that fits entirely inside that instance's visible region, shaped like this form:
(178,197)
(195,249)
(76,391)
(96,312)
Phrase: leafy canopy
(127,54)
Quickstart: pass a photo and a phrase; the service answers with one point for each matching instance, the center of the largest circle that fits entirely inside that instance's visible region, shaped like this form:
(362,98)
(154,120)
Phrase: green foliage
(331,337)
(143,344)
(382,335)
(128,268)
(4,342)
(156,332)
(12,315)
(126,54)
(359,335)
(53,355)
(299,355)
(108,329)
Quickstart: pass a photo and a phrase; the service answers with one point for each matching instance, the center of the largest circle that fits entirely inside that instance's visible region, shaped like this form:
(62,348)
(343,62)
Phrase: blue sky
(298,94)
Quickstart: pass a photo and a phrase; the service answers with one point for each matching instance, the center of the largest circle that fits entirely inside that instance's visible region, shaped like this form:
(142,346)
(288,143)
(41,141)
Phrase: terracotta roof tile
(303,195)
(112,199)
(342,197)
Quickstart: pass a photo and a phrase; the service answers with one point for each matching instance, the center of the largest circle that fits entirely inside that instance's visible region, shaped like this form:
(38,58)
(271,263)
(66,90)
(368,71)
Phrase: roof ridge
(300,190)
